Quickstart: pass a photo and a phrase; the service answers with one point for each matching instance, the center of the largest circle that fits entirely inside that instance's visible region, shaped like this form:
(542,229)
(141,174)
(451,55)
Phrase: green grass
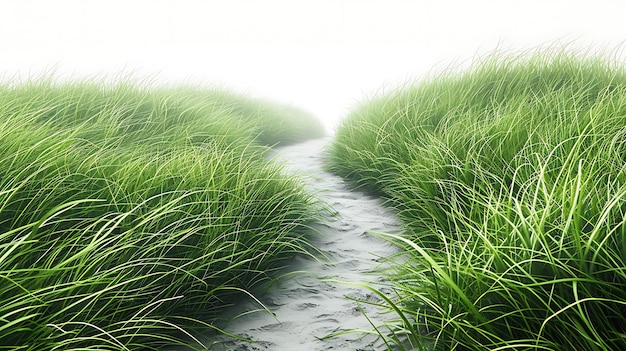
(131,215)
(511,180)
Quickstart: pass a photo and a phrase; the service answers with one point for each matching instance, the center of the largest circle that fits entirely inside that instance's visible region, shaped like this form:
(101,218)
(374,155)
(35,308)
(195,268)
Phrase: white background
(322,55)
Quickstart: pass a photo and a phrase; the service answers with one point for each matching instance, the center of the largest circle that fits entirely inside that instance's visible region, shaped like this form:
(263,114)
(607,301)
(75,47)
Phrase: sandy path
(307,308)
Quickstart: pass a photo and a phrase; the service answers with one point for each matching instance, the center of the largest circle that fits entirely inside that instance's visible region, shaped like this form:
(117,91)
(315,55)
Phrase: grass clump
(510,178)
(132,215)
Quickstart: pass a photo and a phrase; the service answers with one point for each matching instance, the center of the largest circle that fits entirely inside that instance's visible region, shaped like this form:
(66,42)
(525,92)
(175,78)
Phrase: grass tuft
(510,180)
(130,216)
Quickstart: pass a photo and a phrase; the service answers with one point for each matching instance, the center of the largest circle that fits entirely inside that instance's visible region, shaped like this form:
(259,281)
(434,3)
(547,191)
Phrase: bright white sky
(322,55)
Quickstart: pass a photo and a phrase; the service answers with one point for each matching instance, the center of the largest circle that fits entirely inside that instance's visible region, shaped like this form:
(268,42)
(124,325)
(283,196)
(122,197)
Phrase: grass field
(131,215)
(511,180)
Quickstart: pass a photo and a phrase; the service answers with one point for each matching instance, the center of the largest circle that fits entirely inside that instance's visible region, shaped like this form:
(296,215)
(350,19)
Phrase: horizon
(322,56)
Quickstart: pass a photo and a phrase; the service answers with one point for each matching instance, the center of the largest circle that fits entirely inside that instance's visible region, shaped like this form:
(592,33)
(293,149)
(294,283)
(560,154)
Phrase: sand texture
(306,307)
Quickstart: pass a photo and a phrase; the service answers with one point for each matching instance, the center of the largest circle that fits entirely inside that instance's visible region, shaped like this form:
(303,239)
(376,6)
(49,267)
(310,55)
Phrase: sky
(325,56)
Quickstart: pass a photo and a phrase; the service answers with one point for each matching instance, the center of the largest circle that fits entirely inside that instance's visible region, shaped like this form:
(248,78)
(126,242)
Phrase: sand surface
(307,308)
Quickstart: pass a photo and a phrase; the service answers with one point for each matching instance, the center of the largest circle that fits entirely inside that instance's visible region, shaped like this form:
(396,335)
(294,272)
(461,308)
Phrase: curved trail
(307,307)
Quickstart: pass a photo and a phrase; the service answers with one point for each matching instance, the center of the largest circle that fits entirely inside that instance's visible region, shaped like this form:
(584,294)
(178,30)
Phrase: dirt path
(306,307)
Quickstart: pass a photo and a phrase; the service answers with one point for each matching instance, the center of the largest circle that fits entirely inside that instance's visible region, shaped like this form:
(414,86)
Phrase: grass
(510,178)
(131,215)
